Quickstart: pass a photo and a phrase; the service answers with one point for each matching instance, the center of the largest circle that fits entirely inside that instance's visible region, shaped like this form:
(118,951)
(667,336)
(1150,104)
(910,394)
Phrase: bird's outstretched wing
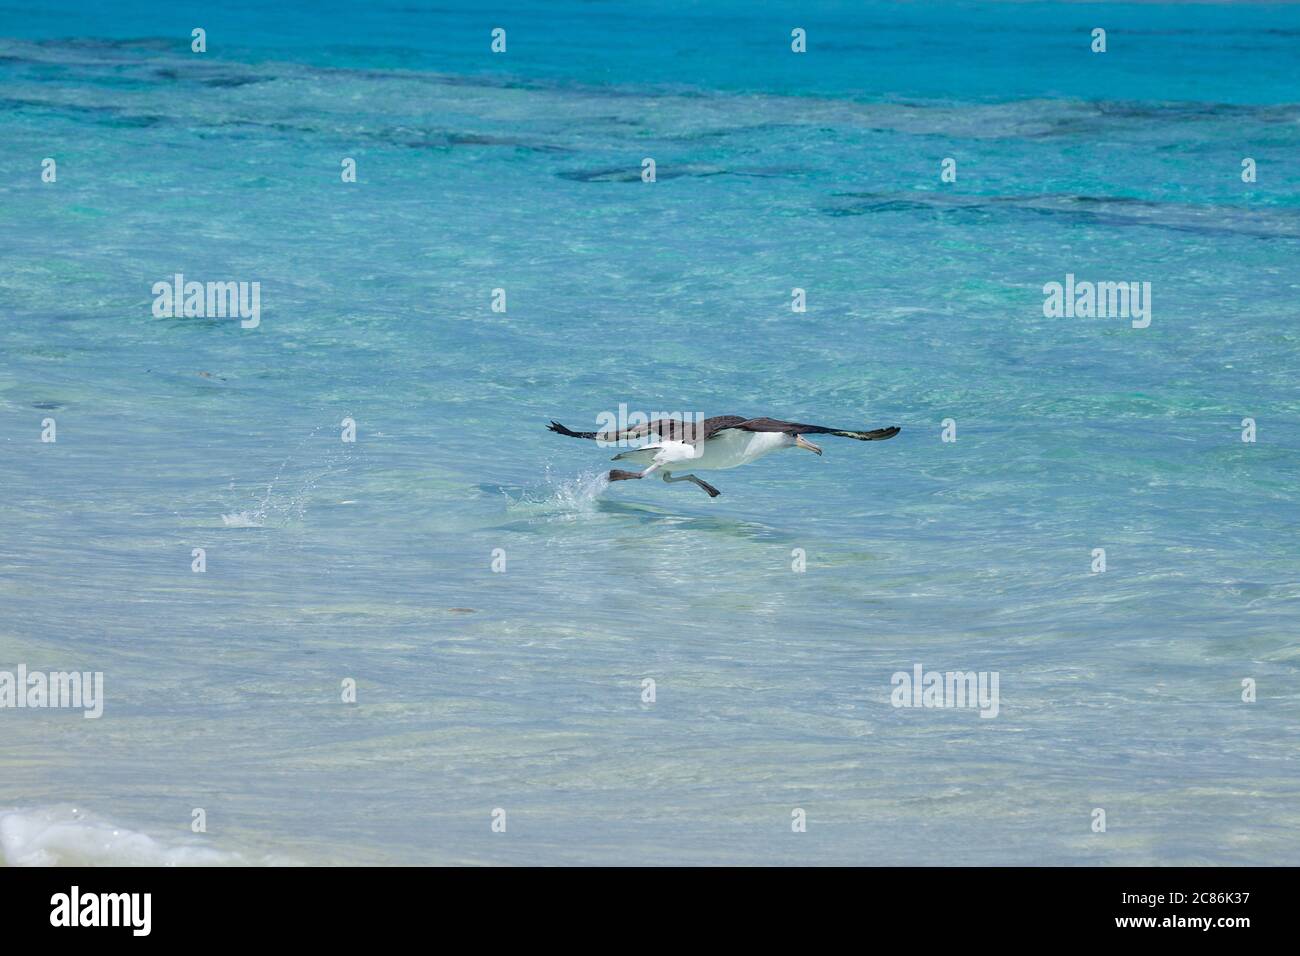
(798,428)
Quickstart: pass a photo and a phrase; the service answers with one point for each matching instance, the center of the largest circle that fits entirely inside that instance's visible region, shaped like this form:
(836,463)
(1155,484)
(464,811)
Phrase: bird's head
(801,442)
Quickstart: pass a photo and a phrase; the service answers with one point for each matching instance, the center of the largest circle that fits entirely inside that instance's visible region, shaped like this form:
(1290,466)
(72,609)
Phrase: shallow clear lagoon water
(523,690)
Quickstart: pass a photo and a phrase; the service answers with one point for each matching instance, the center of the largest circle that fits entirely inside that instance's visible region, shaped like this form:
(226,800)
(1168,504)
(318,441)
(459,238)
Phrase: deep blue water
(522,690)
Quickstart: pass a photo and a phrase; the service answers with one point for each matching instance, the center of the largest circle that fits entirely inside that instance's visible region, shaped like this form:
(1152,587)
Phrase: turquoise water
(522,690)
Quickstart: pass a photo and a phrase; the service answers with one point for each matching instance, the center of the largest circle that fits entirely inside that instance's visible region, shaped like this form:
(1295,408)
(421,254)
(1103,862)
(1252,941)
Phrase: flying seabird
(723,441)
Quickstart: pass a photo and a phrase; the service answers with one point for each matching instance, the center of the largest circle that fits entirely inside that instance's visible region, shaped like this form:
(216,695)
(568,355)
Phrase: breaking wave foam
(66,836)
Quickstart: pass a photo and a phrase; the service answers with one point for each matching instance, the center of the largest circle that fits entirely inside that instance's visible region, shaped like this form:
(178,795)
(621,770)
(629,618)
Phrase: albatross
(724,441)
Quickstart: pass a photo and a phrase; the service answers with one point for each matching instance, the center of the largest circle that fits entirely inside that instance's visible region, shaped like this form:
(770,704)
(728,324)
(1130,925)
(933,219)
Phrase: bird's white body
(730,448)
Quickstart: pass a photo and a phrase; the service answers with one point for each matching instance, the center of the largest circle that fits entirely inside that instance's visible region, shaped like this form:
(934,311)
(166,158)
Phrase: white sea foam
(67,836)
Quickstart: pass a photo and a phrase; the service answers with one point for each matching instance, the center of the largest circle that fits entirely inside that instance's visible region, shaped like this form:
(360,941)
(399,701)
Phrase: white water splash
(285,499)
(560,498)
(580,492)
(244,519)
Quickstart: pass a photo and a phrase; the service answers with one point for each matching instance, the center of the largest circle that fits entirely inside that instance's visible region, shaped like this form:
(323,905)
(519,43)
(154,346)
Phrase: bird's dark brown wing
(718,422)
(673,429)
(798,428)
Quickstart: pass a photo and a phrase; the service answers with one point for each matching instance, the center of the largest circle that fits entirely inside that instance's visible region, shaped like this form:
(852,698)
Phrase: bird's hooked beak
(802,442)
